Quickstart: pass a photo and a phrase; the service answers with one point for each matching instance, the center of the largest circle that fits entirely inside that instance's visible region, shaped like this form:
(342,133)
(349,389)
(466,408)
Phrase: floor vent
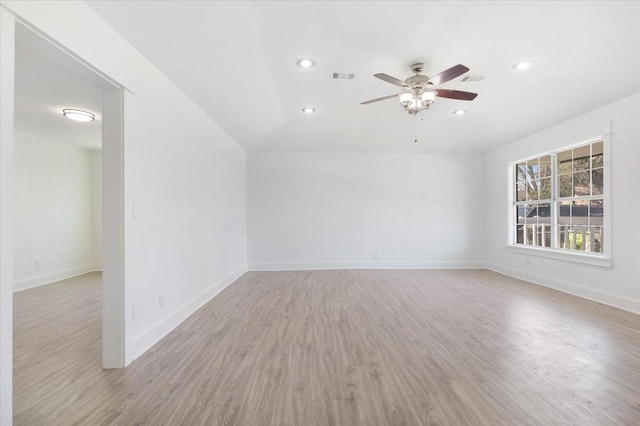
(472,78)
(343,76)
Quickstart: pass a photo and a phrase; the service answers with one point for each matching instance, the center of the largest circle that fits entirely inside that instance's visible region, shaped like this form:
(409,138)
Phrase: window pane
(534,169)
(581,156)
(580,221)
(530,231)
(520,234)
(564,162)
(532,213)
(581,184)
(545,166)
(564,213)
(521,173)
(597,181)
(595,240)
(581,164)
(544,213)
(547,235)
(538,213)
(580,212)
(521,191)
(580,236)
(525,213)
(538,239)
(596,213)
(545,189)
(596,162)
(566,237)
(597,148)
(542,235)
(520,214)
(566,186)
(532,190)
(573,237)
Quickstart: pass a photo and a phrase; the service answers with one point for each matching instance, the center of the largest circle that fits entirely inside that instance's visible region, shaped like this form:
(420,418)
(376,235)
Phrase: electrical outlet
(160,300)
(36,264)
(375,256)
(134,311)
(528,260)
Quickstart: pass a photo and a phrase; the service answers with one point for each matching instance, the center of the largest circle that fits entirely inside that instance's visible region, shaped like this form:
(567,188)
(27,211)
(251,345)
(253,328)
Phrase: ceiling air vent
(343,76)
(473,78)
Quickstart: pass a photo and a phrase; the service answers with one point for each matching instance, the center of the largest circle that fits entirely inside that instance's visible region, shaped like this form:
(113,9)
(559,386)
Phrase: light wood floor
(352,347)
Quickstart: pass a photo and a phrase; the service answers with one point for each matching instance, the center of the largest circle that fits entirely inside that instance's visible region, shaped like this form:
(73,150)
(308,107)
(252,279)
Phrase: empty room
(320,213)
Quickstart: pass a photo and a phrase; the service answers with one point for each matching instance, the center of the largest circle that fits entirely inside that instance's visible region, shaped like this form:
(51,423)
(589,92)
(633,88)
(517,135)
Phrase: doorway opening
(68,203)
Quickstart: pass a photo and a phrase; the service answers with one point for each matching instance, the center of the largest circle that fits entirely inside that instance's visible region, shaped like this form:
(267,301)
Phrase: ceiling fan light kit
(419,92)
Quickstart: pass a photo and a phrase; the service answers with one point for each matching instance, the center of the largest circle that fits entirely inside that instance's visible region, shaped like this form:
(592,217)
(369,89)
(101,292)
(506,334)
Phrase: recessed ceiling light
(460,112)
(78,114)
(308,110)
(306,63)
(521,66)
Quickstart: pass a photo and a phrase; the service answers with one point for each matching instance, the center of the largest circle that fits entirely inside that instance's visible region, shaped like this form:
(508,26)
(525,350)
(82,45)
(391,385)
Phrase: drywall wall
(7,62)
(618,285)
(184,180)
(53,211)
(96,207)
(308,211)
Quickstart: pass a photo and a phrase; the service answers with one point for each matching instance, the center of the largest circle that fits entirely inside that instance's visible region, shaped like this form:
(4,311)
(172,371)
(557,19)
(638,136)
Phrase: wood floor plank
(347,347)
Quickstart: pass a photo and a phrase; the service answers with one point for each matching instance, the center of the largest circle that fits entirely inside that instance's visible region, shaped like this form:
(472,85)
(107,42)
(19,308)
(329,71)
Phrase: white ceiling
(47,81)
(237,60)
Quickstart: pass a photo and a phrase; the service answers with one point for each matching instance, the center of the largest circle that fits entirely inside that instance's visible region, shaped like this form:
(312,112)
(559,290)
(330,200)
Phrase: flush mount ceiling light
(460,112)
(78,114)
(306,63)
(308,110)
(522,65)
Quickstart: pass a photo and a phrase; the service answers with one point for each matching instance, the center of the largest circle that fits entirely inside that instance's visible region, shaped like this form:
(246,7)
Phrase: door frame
(113,284)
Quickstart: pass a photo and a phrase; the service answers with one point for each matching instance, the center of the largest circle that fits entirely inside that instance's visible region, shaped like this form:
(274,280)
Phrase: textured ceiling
(237,60)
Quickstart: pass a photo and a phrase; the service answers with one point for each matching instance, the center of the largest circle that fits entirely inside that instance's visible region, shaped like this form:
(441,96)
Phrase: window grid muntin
(533,231)
(555,201)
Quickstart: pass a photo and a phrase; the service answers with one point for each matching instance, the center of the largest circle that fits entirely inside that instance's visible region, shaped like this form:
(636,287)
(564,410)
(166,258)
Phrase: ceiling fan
(419,92)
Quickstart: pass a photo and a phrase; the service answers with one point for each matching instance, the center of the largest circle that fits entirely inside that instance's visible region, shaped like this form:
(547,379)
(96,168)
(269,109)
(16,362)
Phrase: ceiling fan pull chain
(416,128)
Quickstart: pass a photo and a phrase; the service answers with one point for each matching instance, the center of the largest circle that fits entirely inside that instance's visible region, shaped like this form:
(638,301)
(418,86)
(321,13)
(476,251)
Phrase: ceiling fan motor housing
(418,89)
(417,67)
(417,81)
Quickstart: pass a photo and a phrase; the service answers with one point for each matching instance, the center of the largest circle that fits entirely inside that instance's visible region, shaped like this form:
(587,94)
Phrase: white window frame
(598,259)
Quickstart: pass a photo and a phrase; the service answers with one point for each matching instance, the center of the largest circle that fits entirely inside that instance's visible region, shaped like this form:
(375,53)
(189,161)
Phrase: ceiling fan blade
(379,99)
(389,79)
(449,74)
(456,94)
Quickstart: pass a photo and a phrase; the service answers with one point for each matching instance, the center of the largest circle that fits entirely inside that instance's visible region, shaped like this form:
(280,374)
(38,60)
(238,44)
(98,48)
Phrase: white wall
(618,285)
(185,176)
(364,210)
(53,211)
(96,206)
(7,61)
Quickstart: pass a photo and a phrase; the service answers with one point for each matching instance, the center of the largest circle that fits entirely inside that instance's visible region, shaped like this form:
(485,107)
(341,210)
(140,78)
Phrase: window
(559,200)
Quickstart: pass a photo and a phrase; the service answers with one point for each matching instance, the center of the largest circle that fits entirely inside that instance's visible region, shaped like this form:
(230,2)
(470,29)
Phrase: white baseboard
(152,335)
(619,302)
(314,266)
(53,277)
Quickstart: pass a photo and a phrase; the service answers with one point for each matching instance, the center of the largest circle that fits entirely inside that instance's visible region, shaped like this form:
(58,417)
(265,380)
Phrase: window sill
(589,259)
